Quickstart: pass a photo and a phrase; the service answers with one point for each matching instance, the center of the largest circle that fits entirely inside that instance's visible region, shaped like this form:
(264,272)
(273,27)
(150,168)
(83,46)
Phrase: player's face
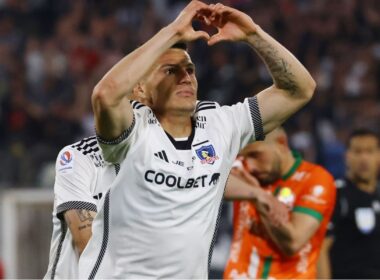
(263,162)
(362,157)
(172,85)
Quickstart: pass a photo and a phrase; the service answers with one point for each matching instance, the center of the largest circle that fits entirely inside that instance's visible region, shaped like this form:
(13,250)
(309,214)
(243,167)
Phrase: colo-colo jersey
(160,215)
(307,188)
(81,182)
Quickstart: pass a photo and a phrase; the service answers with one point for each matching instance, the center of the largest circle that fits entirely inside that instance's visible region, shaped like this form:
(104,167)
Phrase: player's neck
(368,186)
(178,126)
(288,161)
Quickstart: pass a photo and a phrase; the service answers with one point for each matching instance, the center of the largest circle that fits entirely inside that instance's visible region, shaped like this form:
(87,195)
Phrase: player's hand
(274,211)
(232,24)
(243,174)
(182,25)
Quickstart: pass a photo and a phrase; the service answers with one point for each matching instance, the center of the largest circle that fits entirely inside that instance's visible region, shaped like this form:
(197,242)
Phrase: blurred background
(52,53)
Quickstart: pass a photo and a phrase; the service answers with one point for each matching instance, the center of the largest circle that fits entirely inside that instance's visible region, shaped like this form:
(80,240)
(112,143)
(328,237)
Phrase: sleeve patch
(66,161)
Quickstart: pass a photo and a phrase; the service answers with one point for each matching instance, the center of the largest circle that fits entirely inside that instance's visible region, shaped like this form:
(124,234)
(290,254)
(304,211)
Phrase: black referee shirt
(355,227)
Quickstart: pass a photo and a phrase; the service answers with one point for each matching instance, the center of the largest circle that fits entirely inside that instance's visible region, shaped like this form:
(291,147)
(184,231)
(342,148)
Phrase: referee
(352,247)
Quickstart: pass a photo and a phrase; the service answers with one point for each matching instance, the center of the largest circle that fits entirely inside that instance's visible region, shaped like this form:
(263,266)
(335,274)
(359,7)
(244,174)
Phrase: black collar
(186,144)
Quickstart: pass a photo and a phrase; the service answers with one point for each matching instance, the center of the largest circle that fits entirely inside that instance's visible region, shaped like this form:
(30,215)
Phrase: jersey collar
(296,164)
(183,145)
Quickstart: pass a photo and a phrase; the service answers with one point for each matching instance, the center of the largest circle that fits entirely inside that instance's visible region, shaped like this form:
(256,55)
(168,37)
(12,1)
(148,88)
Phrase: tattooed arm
(293,85)
(79,222)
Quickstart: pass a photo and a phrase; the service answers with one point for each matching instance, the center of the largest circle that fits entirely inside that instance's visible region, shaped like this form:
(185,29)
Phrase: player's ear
(138,92)
(141,94)
(282,141)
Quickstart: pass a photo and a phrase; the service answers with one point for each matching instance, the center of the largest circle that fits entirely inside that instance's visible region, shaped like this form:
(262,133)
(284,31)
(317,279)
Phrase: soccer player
(263,249)
(353,239)
(81,181)
(160,216)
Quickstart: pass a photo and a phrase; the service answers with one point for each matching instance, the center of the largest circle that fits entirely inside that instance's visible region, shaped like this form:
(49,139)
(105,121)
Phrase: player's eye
(190,70)
(170,71)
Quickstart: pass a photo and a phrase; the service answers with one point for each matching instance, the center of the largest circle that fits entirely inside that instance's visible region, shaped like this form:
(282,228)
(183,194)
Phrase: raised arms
(113,113)
(293,86)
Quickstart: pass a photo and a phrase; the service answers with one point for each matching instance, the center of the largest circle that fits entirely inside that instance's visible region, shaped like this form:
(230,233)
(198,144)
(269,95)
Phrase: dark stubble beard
(273,175)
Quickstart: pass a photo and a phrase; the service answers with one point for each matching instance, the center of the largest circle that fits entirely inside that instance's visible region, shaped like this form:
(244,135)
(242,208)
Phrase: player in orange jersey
(262,248)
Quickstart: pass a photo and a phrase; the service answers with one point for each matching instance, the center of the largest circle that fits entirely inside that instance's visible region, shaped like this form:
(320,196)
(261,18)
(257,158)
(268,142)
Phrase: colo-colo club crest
(207,154)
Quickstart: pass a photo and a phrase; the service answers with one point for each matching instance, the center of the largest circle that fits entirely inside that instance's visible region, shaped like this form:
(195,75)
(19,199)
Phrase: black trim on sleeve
(74,205)
(59,248)
(256,118)
(104,245)
(119,139)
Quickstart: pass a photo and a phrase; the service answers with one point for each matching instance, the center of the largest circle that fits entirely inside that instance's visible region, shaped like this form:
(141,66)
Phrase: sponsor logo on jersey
(207,154)
(178,162)
(315,195)
(214,179)
(318,190)
(171,181)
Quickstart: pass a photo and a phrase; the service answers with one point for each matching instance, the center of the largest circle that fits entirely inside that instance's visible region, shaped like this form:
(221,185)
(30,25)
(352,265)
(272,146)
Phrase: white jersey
(160,216)
(81,181)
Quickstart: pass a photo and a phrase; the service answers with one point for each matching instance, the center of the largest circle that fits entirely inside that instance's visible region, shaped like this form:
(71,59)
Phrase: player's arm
(293,85)
(113,112)
(290,237)
(308,212)
(324,265)
(243,186)
(79,222)
(75,204)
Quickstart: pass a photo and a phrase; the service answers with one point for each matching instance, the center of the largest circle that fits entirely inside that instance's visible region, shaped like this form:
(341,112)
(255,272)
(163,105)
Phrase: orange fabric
(309,190)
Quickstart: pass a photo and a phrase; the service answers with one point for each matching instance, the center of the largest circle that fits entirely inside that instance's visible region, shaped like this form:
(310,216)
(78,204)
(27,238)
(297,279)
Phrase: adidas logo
(162,155)
(98,196)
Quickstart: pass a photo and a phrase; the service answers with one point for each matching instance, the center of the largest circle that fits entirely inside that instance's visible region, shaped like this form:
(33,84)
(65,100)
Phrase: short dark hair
(180,45)
(359,132)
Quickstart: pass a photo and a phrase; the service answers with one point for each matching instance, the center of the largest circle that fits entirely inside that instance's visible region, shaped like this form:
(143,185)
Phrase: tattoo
(278,66)
(84,215)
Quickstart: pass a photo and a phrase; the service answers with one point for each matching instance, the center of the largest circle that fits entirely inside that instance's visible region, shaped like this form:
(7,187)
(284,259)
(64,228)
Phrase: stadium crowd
(53,52)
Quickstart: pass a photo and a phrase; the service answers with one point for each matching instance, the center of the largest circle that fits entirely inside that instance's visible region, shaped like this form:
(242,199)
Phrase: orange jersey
(307,189)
